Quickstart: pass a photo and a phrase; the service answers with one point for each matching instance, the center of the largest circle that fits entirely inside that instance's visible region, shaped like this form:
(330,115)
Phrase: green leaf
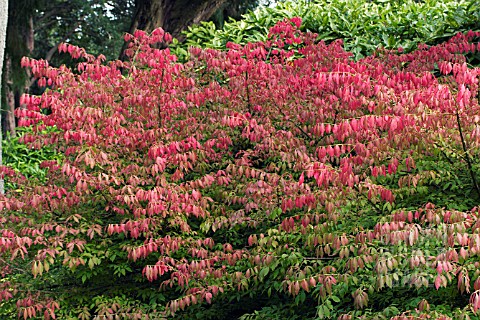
(263,273)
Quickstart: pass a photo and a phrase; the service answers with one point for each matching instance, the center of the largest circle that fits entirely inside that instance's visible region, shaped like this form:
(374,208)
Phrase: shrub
(291,187)
(26,160)
(364,25)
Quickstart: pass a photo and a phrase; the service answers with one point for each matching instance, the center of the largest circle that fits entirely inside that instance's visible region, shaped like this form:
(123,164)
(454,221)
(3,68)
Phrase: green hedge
(364,25)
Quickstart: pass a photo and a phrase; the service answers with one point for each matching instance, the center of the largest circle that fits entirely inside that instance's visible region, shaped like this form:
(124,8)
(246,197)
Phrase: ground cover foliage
(24,159)
(364,25)
(281,179)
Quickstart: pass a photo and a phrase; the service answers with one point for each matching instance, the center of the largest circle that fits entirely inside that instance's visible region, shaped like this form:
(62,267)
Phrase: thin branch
(467,157)
(443,153)
(55,11)
(52,51)
(248,93)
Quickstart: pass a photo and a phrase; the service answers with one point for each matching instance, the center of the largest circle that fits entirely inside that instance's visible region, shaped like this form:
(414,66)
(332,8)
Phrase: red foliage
(274,136)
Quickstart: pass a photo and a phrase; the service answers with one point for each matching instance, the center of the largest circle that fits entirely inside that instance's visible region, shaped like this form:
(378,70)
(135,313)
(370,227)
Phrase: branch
(248,92)
(52,51)
(467,157)
(443,153)
(55,11)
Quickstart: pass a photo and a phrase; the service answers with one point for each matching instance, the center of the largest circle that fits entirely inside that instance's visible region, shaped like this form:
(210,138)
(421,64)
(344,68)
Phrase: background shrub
(364,25)
(27,159)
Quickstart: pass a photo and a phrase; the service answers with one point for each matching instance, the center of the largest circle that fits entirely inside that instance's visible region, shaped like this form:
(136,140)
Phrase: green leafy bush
(26,159)
(364,25)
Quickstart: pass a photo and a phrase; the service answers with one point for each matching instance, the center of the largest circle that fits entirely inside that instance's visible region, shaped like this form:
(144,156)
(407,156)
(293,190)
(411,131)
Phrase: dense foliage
(295,188)
(24,159)
(419,19)
(364,25)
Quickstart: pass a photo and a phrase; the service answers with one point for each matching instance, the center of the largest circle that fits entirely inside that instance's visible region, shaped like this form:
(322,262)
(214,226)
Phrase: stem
(305,134)
(443,153)
(268,54)
(379,210)
(467,157)
(248,93)
(159,106)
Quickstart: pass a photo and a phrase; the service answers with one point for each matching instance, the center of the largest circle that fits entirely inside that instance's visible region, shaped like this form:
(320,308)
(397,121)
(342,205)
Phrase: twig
(248,93)
(467,157)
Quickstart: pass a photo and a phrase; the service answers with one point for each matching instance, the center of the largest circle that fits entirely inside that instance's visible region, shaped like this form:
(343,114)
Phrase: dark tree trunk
(3,38)
(19,43)
(8,117)
(173,16)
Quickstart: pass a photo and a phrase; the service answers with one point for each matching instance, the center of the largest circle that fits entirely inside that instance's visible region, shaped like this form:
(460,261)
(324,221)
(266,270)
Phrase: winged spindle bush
(303,187)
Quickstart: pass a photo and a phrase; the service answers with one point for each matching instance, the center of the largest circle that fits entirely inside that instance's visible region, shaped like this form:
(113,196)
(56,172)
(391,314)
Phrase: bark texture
(3,37)
(19,43)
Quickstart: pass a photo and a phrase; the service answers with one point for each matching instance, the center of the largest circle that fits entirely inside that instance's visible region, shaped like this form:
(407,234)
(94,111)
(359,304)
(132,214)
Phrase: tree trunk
(8,117)
(3,36)
(19,43)
(173,16)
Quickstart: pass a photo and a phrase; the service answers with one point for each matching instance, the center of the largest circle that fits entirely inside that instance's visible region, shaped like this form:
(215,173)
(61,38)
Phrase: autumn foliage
(281,169)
